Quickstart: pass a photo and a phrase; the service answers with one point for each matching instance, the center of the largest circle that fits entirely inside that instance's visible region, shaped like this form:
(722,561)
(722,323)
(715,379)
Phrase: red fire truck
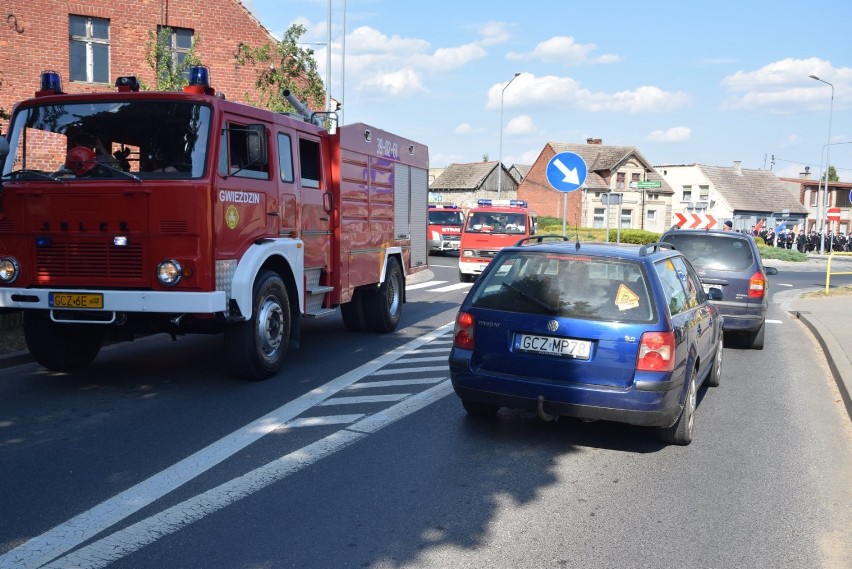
(444,231)
(133,212)
(489,227)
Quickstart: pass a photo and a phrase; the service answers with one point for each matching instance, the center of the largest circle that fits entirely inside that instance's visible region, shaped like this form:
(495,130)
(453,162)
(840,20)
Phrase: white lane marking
(413,360)
(387,398)
(783,284)
(434,350)
(124,542)
(323,421)
(774,321)
(449,288)
(395,383)
(70,534)
(423,285)
(408,369)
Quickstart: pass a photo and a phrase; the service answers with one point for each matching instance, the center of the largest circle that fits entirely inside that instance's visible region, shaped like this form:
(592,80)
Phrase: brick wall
(219,26)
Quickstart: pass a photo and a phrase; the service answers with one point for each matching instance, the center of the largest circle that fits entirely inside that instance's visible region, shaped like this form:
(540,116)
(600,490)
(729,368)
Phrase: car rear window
(711,252)
(573,286)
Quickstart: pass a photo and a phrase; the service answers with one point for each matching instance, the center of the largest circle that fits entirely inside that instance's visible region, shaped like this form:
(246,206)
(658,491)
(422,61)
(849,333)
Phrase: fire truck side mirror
(4,150)
(256,144)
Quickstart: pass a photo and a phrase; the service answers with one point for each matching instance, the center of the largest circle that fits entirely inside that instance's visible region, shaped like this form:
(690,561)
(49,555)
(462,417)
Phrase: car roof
(710,232)
(625,251)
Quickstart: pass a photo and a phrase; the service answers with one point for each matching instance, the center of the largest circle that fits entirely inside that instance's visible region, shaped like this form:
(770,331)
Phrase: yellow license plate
(86,300)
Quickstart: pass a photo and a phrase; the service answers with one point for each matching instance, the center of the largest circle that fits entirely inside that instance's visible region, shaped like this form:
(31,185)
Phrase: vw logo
(552,325)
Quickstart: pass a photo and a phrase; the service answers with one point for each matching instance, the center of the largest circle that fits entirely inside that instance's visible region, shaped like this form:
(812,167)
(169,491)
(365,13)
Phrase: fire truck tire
(353,314)
(465,277)
(383,306)
(255,349)
(61,347)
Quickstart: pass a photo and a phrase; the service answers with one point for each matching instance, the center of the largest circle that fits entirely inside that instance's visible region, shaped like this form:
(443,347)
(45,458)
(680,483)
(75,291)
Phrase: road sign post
(646,185)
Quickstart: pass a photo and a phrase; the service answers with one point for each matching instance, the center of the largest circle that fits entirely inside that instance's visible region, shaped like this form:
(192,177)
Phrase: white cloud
(791,140)
(519,125)
(674,134)
(782,85)
(563,49)
(464,128)
(404,82)
(494,33)
(561,92)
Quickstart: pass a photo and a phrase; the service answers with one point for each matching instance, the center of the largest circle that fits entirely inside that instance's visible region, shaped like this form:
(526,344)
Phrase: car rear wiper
(531,298)
(23,173)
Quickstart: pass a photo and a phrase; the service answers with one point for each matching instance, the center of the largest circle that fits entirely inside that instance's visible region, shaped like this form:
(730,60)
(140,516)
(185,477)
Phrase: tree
(832,175)
(3,114)
(160,58)
(283,66)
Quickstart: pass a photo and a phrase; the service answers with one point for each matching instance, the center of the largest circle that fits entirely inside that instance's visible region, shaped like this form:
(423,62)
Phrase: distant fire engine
(444,231)
(489,227)
(132,212)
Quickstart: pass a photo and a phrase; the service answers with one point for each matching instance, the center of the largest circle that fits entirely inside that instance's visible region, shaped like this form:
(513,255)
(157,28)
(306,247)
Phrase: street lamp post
(822,205)
(500,157)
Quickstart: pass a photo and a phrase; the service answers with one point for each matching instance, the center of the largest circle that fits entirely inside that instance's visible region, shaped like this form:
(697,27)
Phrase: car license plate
(83,300)
(568,347)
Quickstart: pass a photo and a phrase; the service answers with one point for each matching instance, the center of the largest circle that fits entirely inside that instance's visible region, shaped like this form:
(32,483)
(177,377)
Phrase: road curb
(840,367)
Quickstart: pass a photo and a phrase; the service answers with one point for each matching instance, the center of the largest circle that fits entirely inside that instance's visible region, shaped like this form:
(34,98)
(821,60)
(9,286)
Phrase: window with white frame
(704,193)
(687,194)
(651,215)
(88,49)
(619,180)
(626,218)
(598,220)
(180,43)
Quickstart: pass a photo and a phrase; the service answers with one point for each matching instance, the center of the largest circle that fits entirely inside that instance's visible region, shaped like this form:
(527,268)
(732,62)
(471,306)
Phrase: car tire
(756,339)
(715,375)
(681,432)
(479,410)
(255,349)
(383,305)
(61,347)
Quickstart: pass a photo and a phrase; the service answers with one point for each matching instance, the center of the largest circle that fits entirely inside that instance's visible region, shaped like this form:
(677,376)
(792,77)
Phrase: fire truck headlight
(169,272)
(9,269)
(467,253)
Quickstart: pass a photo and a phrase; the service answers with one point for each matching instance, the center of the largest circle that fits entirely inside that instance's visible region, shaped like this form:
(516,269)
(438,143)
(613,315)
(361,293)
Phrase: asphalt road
(358,455)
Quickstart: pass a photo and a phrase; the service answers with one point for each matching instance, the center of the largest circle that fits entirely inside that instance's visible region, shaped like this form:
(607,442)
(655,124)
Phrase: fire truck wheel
(255,349)
(465,278)
(383,306)
(353,313)
(61,347)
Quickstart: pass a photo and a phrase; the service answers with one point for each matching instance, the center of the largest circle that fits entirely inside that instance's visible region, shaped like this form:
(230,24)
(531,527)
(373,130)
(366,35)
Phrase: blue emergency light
(510,203)
(199,75)
(51,83)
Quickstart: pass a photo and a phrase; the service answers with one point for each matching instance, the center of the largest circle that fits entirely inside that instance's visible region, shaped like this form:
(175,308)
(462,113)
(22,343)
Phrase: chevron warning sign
(694,220)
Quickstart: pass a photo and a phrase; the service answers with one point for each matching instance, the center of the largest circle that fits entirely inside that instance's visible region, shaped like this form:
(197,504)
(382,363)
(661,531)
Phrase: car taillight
(656,352)
(463,331)
(757,285)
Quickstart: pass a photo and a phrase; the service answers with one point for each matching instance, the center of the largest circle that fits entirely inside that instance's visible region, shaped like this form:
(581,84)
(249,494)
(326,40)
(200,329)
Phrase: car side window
(673,285)
(694,292)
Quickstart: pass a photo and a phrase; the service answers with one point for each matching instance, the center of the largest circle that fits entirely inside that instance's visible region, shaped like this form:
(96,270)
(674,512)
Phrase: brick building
(93,42)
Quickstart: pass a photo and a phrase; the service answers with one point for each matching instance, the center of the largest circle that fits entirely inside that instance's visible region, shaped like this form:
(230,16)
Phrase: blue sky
(684,82)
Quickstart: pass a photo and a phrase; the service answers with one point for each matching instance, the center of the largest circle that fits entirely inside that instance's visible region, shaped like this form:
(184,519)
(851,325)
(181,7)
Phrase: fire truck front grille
(94,259)
(485,253)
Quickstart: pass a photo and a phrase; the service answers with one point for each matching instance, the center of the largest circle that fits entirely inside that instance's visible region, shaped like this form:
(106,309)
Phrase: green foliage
(283,66)
(759,240)
(553,226)
(832,175)
(159,57)
(781,254)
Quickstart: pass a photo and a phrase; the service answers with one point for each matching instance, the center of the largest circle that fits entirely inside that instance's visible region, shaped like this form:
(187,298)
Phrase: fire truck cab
(445,223)
(490,226)
(133,212)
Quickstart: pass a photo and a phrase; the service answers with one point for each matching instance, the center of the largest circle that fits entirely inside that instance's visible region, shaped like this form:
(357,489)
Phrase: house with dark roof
(721,193)
(834,195)
(464,184)
(610,169)
(520,171)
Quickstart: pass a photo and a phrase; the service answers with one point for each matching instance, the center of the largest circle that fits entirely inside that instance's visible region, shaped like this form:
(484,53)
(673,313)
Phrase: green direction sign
(649,184)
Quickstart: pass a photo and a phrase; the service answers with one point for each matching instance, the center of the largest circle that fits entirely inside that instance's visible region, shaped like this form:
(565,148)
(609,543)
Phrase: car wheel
(465,278)
(756,340)
(61,347)
(716,372)
(479,410)
(383,306)
(681,432)
(255,349)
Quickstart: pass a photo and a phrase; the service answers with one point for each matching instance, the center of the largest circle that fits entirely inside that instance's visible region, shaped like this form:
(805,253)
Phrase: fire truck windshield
(140,139)
(496,222)
(445,217)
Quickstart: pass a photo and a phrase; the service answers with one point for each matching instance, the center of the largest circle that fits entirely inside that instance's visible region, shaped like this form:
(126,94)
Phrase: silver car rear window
(573,286)
(717,253)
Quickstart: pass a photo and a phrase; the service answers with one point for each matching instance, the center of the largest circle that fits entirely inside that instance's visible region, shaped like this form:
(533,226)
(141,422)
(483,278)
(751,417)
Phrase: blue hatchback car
(597,331)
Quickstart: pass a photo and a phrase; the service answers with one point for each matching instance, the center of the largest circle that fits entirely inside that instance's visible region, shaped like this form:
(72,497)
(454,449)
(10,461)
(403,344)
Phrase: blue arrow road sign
(566,172)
